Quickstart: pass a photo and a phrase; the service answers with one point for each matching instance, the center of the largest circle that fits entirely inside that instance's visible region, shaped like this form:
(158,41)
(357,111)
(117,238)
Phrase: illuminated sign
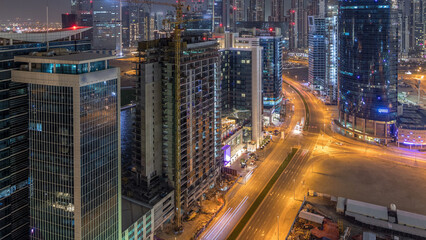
(226,155)
(383,110)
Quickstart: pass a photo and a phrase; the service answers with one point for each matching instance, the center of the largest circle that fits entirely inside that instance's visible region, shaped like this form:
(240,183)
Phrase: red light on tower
(235,8)
(293,23)
(292,11)
(74,27)
(271,29)
(221,25)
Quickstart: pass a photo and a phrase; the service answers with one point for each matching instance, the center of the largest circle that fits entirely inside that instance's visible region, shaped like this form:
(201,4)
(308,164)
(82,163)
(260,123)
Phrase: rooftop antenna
(47,25)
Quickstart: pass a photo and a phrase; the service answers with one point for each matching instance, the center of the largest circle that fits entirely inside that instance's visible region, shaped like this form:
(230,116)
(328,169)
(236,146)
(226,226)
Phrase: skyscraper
(74,138)
(83,9)
(14,191)
(331,41)
(272,76)
(241,87)
(298,29)
(317,53)
(417,21)
(198,134)
(256,11)
(138,24)
(107,25)
(368,69)
(323,52)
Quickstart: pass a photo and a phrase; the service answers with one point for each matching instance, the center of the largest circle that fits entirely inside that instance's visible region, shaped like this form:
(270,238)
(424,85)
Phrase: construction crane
(179,6)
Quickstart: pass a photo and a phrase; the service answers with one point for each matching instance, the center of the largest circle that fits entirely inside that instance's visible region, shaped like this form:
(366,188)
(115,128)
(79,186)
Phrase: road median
(244,220)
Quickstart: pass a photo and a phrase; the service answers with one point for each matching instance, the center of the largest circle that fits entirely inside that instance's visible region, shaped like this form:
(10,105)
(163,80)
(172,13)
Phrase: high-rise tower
(74,138)
(14,164)
(368,69)
(199,105)
(107,25)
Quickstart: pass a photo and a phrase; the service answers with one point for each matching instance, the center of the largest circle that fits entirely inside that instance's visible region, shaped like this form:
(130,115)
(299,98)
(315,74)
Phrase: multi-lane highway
(242,195)
(274,209)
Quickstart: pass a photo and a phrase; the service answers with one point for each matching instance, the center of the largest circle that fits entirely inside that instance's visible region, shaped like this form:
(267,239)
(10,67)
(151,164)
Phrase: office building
(298,29)
(317,53)
(277,11)
(256,10)
(138,24)
(198,143)
(69,20)
(74,143)
(14,193)
(271,42)
(323,53)
(106,25)
(241,87)
(272,76)
(417,23)
(332,43)
(368,50)
(83,10)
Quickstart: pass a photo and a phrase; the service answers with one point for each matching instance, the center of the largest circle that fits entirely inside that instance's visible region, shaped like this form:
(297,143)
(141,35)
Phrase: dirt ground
(370,180)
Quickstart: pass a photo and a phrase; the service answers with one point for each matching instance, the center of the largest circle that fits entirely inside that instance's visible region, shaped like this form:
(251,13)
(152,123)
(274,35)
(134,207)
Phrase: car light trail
(216,231)
(207,236)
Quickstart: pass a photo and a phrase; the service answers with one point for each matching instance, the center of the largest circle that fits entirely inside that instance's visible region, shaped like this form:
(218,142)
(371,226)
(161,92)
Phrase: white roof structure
(311,217)
(40,37)
(411,219)
(367,209)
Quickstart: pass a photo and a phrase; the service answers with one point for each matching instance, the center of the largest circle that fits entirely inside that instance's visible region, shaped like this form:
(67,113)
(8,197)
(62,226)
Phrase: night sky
(34,9)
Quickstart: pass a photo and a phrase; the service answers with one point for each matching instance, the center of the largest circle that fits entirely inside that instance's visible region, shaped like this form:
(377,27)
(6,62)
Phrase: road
(279,208)
(285,193)
(241,196)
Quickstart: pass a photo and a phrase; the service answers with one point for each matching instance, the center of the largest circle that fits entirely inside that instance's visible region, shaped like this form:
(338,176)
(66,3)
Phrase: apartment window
(243,95)
(238,82)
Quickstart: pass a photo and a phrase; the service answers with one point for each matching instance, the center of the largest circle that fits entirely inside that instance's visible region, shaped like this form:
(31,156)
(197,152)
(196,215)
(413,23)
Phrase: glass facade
(368,66)
(236,80)
(99,127)
(14,202)
(272,72)
(52,150)
(106,25)
(317,53)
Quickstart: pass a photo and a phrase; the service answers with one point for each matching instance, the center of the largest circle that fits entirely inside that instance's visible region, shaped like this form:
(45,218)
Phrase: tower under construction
(184,117)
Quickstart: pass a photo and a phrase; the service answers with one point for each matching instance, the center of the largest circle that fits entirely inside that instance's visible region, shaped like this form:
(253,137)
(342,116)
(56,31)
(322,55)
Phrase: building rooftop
(64,58)
(413,117)
(40,37)
(131,211)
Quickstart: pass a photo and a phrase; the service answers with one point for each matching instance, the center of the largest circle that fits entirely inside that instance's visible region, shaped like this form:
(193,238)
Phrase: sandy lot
(373,180)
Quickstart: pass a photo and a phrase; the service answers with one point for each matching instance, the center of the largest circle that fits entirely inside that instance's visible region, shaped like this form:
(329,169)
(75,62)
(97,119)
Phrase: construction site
(322,216)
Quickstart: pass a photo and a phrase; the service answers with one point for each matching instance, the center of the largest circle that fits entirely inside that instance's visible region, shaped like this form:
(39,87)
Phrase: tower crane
(179,6)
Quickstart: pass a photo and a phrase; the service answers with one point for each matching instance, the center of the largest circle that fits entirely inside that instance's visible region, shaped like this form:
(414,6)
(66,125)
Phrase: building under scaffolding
(199,128)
